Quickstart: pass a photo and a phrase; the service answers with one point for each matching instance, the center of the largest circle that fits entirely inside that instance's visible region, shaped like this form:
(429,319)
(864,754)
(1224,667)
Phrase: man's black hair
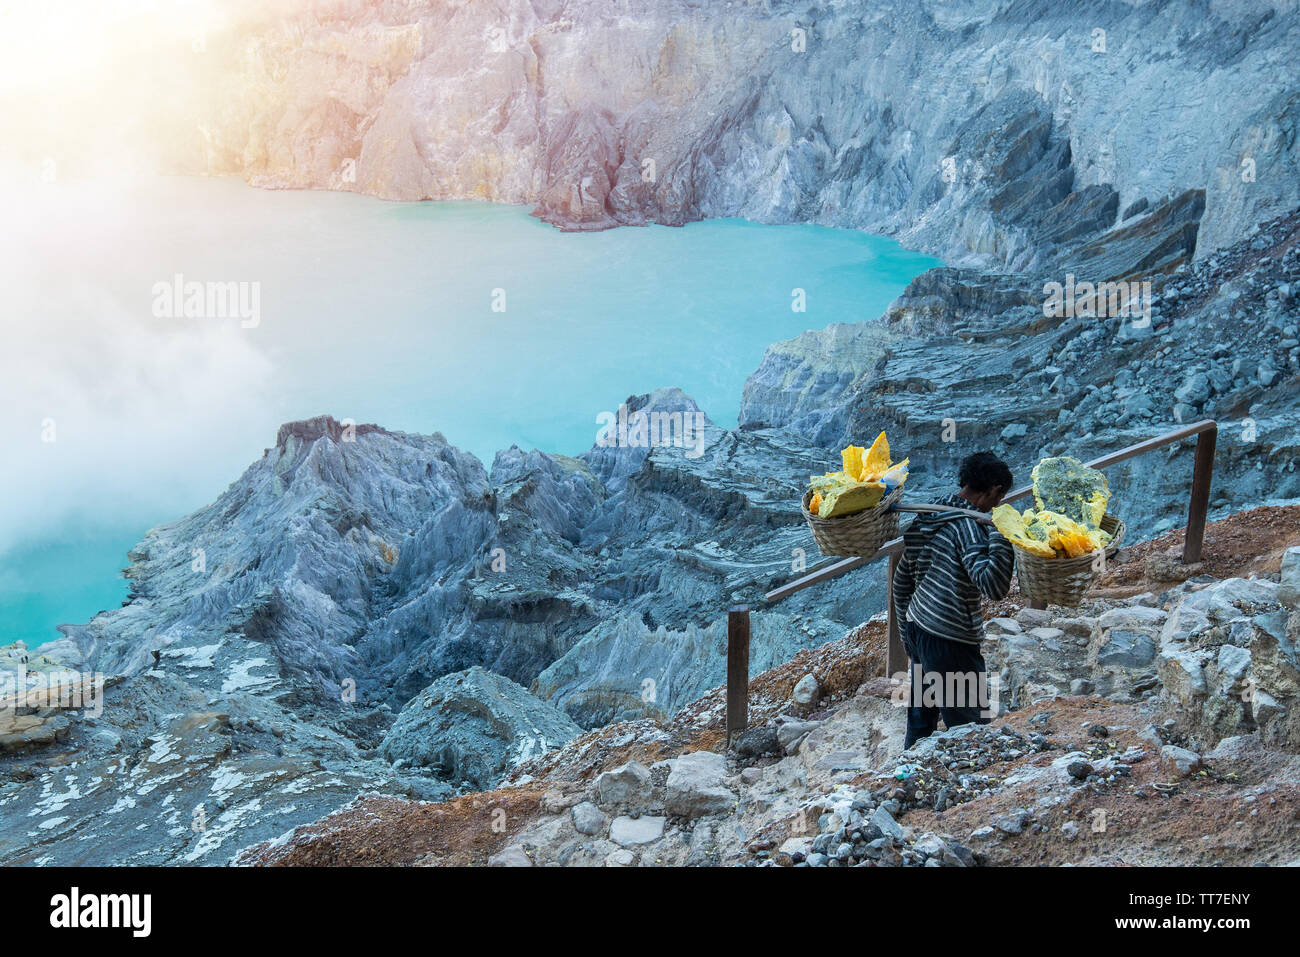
(981,471)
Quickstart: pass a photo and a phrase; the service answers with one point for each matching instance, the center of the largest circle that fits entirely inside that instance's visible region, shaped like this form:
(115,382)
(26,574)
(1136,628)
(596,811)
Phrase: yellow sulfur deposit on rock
(1071,499)
(1065,485)
(867,475)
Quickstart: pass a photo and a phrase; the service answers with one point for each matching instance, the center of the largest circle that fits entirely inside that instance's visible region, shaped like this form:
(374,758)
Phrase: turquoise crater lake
(374,311)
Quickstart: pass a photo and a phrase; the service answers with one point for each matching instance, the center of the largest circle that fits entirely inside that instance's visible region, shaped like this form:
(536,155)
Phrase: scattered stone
(1127,649)
(1016,430)
(627,784)
(1288,591)
(807,692)
(1033,617)
(695,786)
(1013,822)
(631,831)
(1079,770)
(791,734)
(757,742)
(588,818)
(1168,568)
(1047,635)
(931,845)
(882,819)
(512,856)
(1181,760)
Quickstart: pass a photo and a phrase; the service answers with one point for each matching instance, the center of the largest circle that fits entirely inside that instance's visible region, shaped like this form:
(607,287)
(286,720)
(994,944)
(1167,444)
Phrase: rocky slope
(1149,729)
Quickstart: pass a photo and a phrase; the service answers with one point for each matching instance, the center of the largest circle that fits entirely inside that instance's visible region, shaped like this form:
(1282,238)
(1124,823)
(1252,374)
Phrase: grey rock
(475,726)
(1289,588)
(1194,390)
(695,786)
(511,856)
(1180,760)
(1234,663)
(630,783)
(588,818)
(932,845)
(806,690)
(882,819)
(1127,649)
(633,831)
(756,742)
(1079,769)
(791,733)
(1132,616)
(1012,822)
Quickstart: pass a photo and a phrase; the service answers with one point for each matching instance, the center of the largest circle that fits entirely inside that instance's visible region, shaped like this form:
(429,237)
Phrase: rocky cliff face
(967,359)
(978,131)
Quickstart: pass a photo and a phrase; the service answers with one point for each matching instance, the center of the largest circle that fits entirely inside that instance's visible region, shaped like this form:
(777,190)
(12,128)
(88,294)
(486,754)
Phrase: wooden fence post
(1199,503)
(737,670)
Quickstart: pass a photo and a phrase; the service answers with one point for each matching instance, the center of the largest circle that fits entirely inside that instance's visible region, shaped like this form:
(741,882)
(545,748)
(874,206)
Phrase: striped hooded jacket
(949,561)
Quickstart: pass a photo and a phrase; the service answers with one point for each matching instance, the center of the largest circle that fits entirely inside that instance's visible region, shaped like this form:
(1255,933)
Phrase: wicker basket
(861,533)
(1063,581)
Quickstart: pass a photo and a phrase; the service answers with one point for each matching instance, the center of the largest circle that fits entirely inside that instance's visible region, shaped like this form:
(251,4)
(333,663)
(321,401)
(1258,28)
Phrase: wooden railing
(1198,506)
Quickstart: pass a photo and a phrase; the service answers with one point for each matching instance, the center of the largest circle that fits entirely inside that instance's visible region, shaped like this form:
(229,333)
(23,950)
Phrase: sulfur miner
(950,560)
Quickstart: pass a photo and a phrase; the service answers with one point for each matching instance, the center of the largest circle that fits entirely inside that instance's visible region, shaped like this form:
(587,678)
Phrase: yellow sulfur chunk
(852,459)
(815,505)
(876,462)
(847,499)
(1012,525)
(1048,534)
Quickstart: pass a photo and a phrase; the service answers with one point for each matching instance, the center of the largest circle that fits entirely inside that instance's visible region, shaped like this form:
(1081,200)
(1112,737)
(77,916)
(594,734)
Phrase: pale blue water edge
(379,312)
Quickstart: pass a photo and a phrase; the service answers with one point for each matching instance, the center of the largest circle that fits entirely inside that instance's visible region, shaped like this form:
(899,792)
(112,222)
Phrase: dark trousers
(944,675)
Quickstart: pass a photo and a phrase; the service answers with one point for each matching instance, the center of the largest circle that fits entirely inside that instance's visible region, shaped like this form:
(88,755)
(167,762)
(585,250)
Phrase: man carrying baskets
(949,561)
